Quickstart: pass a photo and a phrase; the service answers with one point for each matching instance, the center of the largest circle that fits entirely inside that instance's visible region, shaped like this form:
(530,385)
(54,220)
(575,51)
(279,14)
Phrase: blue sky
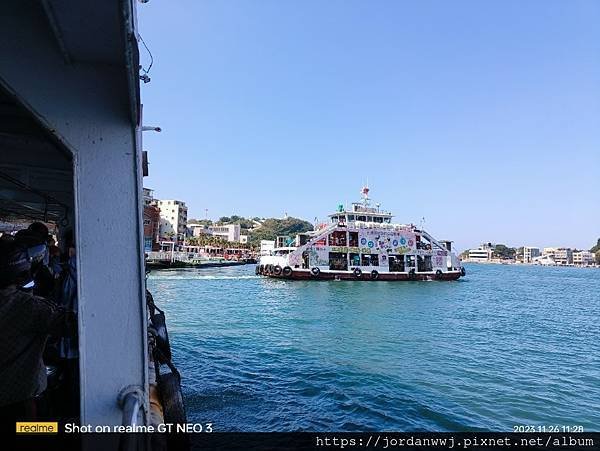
(482,117)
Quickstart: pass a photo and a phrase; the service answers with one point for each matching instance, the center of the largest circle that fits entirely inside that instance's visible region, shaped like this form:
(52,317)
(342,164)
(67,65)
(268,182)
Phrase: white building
(560,255)
(173,218)
(563,256)
(583,258)
(483,253)
(197,229)
(529,253)
(229,232)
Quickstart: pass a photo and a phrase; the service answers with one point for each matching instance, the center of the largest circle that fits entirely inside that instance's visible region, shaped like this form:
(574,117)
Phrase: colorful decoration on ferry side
(390,241)
(318,256)
(295,258)
(370,241)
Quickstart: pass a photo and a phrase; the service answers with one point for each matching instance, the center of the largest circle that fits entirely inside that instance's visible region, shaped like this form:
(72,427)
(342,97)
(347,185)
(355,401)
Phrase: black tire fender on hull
(169,385)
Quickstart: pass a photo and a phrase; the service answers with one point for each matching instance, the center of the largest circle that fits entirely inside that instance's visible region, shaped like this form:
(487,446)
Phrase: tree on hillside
(215,241)
(520,253)
(272,228)
(244,223)
(503,251)
(596,250)
(206,222)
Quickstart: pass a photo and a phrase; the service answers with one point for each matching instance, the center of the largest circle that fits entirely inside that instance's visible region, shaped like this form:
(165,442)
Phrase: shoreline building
(229,232)
(173,219)
(583,258)
(563,256)
(151,218)
(195,229)
(483,253)
(530,253)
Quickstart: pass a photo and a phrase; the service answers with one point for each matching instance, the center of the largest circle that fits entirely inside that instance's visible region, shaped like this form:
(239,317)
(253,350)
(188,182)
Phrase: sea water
(505,346)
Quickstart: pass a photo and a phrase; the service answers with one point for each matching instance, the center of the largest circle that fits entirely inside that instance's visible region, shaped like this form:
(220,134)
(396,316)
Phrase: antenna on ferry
(365,194)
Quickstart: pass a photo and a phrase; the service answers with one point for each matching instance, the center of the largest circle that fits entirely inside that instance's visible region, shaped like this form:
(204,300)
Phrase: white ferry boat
(362,243)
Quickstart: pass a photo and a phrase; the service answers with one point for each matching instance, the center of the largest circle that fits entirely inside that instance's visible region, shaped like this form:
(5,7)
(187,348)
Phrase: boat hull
(366,277)
(181,264)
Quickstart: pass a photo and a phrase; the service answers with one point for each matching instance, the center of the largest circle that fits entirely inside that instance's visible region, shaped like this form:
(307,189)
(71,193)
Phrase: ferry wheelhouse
(362,243)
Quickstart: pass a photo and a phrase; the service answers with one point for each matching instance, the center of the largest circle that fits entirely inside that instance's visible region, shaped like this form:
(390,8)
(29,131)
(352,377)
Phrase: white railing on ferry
(168,256)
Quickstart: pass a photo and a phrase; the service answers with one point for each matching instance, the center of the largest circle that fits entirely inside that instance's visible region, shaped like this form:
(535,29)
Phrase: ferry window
(428,262)
(353,239)
(387,220)
(374,260)
(424,263)
(396,263)
(369,218)
(338,261)
(378,220)
(365,260)
(337,238)
(350,217)
(361,218)
(410,261)
(334,219)
(354,259)
(423,243)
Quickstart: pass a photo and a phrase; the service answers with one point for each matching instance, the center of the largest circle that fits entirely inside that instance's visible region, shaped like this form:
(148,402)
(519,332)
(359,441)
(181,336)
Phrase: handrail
(131,399)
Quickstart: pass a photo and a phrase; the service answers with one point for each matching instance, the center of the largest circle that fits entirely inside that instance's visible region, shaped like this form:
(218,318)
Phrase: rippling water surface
(506,345)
